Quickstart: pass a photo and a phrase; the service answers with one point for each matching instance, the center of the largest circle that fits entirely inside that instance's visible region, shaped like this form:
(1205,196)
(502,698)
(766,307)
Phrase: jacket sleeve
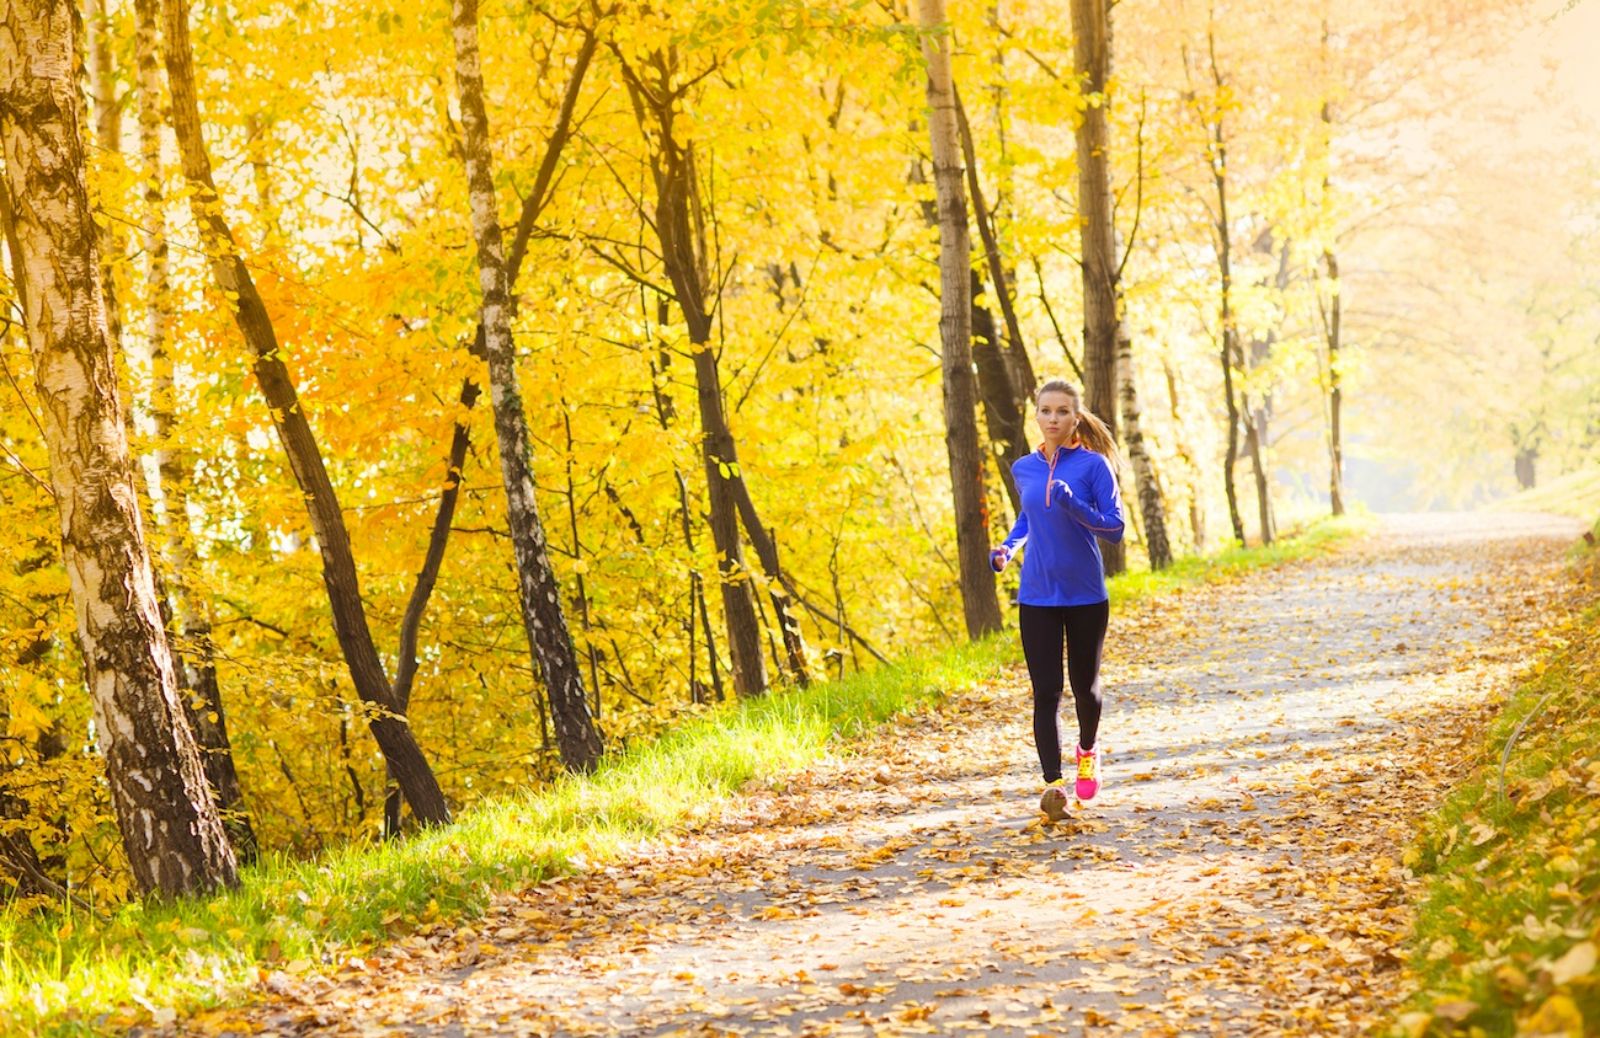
(1106,520)
(1018,535)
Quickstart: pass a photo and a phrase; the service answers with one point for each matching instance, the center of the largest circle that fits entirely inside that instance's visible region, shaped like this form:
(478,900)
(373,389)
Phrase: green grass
(1575,494)
(66,972)
(1513,880)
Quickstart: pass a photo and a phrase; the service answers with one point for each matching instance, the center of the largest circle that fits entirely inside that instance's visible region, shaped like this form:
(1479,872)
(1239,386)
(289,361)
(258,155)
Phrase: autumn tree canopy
(711,234)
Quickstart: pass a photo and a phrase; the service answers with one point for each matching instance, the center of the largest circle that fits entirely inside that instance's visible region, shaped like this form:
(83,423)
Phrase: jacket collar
(1061,452)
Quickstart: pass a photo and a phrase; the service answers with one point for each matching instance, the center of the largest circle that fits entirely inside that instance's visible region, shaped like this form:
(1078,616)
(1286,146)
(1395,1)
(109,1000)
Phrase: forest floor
(1273,743)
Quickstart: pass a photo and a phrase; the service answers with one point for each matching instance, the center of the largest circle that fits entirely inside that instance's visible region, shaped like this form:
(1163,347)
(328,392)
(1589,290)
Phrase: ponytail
(1094,435)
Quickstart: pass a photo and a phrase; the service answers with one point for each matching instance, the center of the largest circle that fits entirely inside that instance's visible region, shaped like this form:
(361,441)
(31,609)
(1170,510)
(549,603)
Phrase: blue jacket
(1065,506)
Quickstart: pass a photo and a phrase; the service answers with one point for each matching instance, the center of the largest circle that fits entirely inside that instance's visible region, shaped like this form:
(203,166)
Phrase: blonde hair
(1092,432)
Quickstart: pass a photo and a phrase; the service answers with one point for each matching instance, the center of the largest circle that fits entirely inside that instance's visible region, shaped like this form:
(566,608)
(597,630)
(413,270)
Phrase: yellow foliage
(336,140)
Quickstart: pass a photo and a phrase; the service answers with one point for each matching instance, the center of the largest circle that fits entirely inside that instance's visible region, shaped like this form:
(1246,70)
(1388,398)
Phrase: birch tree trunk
(780,592)
(467,398)
(719,451)
(171,831)
(1254,449)
(1019,365)
(666,415)
(1332,308)
(1003,418)
(1232,400)
(105,112)
(548,635)
(1151,507)
(1093,139)
(388,724)
(721,457)
(979,602)
(194,652)
(1197,515)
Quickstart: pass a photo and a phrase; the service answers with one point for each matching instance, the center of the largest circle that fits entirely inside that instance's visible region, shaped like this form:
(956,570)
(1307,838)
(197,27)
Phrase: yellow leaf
(1415,1025)
(1557,1018)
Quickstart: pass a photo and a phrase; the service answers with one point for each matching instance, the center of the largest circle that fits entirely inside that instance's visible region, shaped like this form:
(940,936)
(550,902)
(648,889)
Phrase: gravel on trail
(1272,743)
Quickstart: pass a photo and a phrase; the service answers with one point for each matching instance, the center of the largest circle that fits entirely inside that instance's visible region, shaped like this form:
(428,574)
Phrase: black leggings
(1043,628)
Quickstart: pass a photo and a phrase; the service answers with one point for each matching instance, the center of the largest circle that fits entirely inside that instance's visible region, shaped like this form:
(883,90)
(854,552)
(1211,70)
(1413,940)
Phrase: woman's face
(1058,416)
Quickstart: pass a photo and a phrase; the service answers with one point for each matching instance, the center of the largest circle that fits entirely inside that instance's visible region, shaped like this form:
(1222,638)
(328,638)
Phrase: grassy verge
(1575,494)
(1507,931)
(66,973)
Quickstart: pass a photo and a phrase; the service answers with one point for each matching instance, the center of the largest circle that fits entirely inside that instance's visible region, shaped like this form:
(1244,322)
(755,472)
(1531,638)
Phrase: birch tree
(543,618)
(171,831)
(194,652)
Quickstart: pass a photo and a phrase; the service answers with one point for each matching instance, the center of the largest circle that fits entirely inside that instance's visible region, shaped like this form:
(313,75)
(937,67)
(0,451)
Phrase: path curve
(1272,742)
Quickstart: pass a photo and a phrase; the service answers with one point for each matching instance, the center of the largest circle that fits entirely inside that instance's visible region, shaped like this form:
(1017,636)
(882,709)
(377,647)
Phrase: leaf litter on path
(1271,744)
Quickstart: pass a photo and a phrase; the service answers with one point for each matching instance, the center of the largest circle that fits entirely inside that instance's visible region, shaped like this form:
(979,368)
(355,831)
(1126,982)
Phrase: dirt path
(1271,745)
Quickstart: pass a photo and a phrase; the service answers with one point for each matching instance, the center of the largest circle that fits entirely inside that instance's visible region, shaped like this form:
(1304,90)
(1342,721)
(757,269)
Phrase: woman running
(1069,499)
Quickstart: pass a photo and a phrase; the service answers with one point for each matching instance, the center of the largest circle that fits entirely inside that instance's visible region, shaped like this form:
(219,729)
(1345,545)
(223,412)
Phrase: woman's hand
(1058,493)
(998,559)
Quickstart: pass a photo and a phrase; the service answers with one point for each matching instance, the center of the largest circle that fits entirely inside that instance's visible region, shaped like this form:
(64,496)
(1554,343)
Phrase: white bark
(549,637)
(171,832)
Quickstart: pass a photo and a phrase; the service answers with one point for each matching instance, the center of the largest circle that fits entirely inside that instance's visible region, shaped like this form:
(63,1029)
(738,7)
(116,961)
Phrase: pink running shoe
(1088,774)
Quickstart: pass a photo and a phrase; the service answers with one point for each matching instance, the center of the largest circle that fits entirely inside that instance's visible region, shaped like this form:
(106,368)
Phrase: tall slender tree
(1108,347)
(1092,51)
(1005,373)
(1258,414)
(1151,507)
(538,590)
(1004,414)
(657,88)
(1331,306)
(1212,117)
(1091,33)
(105,115)
(461,433)
(193,650)
(395,738)
(1186,459)
(1332,311)
(979,602)
(171,831)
